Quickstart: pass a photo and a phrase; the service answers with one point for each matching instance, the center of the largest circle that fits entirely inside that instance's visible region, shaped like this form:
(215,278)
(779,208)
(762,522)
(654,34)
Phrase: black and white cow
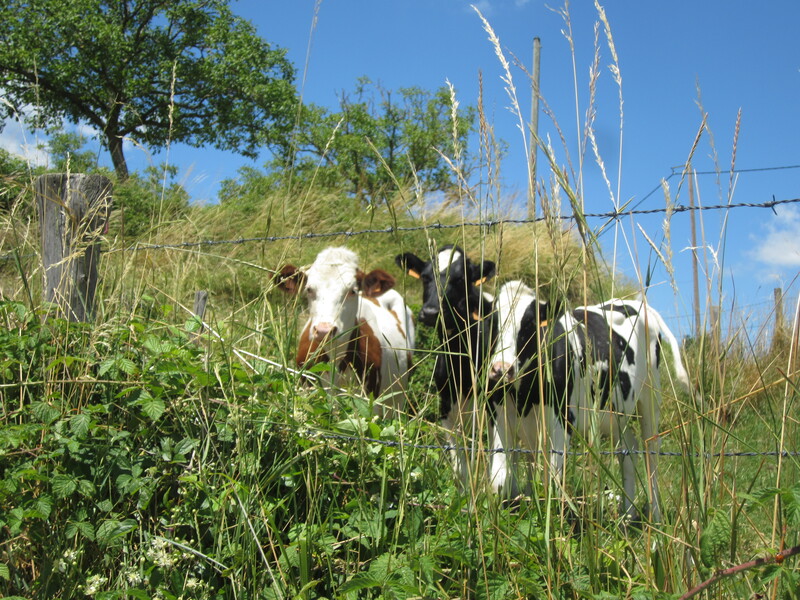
(591,370)
(453,302)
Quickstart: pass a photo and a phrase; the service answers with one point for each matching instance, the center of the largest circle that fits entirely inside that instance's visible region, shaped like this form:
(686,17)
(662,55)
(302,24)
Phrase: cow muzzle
(428,315)
(321,331)
(501,372)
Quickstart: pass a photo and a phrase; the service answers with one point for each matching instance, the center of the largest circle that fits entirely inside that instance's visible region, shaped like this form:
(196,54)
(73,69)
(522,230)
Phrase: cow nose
(323,330)
(428,315)
(501,371)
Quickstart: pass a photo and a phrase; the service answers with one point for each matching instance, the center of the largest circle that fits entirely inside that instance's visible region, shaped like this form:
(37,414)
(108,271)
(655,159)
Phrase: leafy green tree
(66,151)
(380,139)
(146,70)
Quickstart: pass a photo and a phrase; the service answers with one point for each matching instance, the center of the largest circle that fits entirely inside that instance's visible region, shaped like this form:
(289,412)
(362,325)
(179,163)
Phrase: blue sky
(724,55)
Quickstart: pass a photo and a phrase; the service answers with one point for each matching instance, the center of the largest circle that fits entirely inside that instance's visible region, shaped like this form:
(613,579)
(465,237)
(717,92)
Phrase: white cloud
(23,143)
(778,243)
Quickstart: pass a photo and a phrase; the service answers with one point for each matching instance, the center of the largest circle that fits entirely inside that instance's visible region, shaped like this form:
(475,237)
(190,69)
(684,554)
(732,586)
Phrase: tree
(66,152)
(152,71)
(380,139)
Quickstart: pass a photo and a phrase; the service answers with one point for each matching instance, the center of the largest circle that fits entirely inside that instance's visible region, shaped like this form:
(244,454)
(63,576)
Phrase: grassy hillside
(139,459)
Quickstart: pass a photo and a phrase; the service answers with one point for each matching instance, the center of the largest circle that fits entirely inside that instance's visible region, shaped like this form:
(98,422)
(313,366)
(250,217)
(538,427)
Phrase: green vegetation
(144,458)
(148,71)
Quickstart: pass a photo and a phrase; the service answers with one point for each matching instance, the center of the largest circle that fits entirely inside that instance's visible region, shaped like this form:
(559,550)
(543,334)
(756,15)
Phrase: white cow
(356,322)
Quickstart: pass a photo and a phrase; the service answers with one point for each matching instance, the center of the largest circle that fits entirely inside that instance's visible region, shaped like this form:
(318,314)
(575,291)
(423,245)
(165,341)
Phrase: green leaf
(79,424)
(715,537)
(105,366)
(157,346)
(494,587)
(186,445)
(44,505)
(360,581)
(45,412)
(153,408)
(86,488)
(111,529)
(84,528)
(193,324)
(353,426)
(4,572)
(63,485)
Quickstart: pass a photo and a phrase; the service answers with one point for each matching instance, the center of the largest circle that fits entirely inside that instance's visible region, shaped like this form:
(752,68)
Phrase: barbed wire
(319,434)
(392,229)
(488,224)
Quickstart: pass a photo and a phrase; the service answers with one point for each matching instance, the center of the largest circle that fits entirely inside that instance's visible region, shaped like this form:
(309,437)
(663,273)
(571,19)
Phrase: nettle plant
(121,446)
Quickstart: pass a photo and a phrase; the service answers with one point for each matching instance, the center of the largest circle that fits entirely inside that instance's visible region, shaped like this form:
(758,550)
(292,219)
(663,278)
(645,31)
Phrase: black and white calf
(453,301)
(592,370)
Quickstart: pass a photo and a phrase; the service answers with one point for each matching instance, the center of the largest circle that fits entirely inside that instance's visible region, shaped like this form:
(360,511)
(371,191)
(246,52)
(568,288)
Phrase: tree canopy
(379,139)
(150,71)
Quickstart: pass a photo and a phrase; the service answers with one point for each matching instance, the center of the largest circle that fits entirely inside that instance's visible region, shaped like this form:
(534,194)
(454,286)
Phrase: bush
(143,203)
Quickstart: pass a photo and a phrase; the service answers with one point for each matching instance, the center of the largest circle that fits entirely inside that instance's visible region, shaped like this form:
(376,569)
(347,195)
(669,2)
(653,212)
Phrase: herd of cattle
(542,372)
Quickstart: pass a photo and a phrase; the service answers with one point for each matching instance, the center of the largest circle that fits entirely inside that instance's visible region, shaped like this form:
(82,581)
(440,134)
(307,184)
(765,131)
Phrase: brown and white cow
(593,369)
(356,322)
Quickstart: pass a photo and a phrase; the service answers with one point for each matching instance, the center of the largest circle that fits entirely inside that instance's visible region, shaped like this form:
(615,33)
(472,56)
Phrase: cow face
(511,304)
(450,283)
(331,285)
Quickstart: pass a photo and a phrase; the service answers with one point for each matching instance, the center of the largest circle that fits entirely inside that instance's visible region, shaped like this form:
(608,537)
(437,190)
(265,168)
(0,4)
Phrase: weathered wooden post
(73,212)
(779,332)
(199,310)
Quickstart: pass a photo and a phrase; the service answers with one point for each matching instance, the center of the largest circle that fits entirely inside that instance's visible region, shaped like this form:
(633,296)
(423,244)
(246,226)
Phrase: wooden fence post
(199,310)
(73,212)
(779,332)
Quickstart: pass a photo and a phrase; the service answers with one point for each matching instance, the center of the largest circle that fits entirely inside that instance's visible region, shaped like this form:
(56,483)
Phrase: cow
(454,303)
(594,368)
(357,322)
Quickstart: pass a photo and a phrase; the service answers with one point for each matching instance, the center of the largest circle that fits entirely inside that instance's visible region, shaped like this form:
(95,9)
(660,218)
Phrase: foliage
(139,461)
(380,141)
(144,201)
(66,153)
(147,71)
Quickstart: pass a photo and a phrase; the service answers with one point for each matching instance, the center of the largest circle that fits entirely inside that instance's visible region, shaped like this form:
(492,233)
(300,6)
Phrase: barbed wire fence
(392,229)
(317,434)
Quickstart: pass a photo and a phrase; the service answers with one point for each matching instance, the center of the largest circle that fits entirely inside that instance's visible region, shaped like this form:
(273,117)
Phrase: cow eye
(311,293)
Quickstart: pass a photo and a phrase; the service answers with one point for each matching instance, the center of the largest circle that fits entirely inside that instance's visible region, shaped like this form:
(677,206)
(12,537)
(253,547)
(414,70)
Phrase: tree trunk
(117,156)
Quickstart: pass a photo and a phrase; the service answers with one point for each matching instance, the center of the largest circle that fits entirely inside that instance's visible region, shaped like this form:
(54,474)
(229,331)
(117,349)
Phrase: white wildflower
(94,584)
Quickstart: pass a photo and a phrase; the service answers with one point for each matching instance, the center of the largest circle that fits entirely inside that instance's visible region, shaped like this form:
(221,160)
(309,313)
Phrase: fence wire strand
(312,434)
(488,224)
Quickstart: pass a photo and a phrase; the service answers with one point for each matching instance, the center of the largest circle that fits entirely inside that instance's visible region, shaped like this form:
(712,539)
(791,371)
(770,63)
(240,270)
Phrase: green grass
(144,464)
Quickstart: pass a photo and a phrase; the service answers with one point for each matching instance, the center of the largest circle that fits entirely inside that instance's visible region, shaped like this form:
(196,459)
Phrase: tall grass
(149,455)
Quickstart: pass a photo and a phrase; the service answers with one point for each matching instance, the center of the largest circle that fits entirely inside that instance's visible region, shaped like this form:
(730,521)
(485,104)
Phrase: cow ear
(289,279)
(375,283)
(483,273)
(410,263)
(544,311)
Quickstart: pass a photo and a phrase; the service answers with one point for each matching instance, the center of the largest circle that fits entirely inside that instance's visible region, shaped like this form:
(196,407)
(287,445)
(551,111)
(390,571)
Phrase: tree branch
(758,562)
